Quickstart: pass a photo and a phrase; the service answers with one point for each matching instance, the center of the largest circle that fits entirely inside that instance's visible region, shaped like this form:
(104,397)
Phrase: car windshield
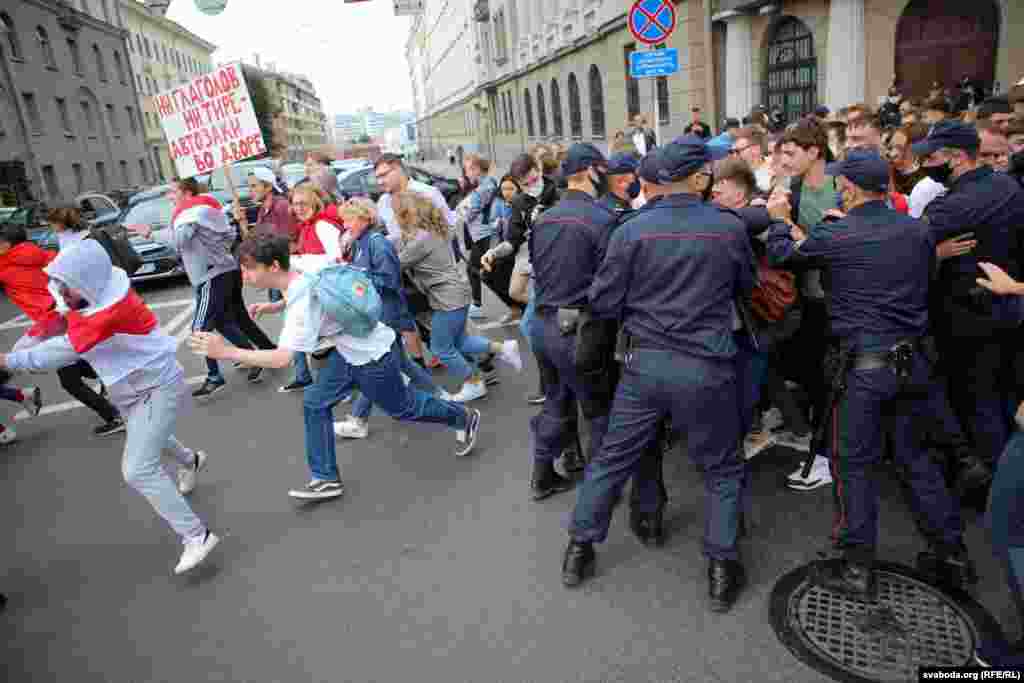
(156,211)
(239,173)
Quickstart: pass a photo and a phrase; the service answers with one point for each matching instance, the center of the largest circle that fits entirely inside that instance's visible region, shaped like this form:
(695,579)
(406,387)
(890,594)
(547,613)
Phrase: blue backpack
(349,297)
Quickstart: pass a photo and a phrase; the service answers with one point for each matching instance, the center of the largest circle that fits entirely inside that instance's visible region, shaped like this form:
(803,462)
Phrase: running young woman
(370,363)
(426,256)
(110,326)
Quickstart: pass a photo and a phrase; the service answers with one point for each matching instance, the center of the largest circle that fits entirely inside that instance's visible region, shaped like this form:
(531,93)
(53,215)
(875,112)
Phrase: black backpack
(122,253)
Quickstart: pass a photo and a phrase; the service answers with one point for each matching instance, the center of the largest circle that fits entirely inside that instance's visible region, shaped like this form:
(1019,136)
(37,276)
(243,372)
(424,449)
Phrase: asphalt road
(430,569)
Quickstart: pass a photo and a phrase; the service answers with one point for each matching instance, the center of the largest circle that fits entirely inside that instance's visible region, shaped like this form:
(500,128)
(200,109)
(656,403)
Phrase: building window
(529,112)
(131,120)
(12,36)
(90,118)
(556,110)
(138,44)
(596,103)
(149,53)
(632,84)
(142,171)
(50,178)
(119,67)
(101,67)
(101,175)
(124,174)
(792,69)
(542,112)
(575,113)
(76,56)
(112,117)
(500,37)
(45,47)
(32,108)
(62,114)
(76,169)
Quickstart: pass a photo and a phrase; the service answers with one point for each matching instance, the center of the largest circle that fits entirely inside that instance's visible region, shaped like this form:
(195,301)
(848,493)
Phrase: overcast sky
(353,53)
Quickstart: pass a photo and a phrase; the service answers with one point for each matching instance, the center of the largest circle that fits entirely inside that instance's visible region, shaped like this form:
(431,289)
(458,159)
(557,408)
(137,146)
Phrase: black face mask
(1017,163)
(633,191)
(940,174)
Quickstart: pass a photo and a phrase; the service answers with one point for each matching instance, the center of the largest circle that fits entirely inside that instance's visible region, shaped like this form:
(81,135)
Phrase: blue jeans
(450,343)
(528,315)
(418,376)
(700,395)
(380,381)
(302,374)
(1006,515)
(275,295)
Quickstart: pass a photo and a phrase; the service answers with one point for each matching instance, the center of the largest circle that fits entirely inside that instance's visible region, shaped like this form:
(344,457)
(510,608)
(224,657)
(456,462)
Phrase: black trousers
(72,379)
(476,250)
(246,324)
(499,279)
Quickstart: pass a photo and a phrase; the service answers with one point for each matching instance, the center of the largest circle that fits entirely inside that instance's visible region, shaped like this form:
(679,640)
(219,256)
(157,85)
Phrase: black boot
(577,563)
(726,579)
(648,527)
(950,569)
(973,475)
(546,481)
(849,577)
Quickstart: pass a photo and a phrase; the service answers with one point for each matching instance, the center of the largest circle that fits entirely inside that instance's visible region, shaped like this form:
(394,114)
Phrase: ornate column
(846,74)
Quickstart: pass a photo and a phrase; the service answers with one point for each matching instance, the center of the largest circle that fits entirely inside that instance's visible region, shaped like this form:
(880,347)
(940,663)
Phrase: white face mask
(535,189)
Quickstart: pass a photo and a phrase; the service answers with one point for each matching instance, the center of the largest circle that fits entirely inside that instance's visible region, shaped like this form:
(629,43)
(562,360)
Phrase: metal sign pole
(655,108)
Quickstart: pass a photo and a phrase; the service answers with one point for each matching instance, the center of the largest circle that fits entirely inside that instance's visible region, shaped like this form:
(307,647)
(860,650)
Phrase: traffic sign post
(654,63)
(651,22)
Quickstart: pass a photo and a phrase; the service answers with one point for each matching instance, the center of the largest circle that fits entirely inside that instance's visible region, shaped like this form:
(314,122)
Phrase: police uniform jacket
(615,203)
(671,274)
(876,266)
(567,245)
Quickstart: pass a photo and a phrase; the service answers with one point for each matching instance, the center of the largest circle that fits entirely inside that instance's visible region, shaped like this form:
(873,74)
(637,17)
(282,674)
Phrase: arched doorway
(945,40)
(791,83)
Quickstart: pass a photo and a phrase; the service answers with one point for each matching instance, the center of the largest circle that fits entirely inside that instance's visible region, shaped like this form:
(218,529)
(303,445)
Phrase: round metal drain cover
(911,624)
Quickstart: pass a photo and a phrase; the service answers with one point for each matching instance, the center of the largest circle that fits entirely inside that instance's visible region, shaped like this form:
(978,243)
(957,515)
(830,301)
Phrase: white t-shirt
(764,178)
(926,191)
(387,215)
(307,328)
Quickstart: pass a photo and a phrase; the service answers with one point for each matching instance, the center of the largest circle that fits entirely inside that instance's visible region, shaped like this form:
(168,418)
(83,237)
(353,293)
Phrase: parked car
(159,261)
(292,174)
(218,187)
(362,182)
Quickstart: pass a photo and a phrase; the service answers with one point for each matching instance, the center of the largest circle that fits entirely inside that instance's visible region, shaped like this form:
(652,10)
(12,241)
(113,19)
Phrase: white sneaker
(819,476)
(8,436)
(196,550)
(352,428)
(188,474)
(797,443)
(757,442)
(33,400)
(470,391)
(510,354)
(771,419)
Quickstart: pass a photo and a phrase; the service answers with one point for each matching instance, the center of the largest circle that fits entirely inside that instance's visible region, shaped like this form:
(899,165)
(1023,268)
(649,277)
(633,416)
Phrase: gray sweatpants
(150,429)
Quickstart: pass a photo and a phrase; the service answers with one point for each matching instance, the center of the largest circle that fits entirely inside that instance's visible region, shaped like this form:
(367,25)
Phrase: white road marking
(172,325)
(55,408)
(21,321)
(171,304)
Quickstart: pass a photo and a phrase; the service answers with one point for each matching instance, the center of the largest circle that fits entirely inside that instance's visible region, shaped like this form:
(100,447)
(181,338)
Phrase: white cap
(266,175)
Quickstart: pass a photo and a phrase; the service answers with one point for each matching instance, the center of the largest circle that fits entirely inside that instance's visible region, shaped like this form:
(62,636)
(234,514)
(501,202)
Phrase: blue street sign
(652,63)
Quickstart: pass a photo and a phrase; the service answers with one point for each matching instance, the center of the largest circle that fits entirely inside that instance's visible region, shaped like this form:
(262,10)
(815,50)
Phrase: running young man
(110,326)
(371,364)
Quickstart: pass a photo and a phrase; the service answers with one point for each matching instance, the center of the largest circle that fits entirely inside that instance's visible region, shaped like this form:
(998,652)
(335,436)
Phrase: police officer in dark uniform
(877,263)
(623,185)
(567,244)
(672,272)
(977,330)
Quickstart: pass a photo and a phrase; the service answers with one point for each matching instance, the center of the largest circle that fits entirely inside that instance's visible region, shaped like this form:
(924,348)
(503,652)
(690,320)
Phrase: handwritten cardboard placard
(209,122)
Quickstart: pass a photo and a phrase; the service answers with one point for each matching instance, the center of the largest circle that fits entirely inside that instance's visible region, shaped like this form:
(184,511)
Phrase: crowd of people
(846,285)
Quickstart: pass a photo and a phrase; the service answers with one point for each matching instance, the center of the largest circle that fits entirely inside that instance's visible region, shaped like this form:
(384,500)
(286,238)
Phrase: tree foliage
(263,103)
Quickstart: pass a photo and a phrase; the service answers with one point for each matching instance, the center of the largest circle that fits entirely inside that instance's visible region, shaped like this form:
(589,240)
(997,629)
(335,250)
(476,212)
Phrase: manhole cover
(911,624)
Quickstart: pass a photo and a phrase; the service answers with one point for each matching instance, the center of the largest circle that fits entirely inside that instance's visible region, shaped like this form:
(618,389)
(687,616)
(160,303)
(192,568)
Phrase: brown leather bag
(774,294)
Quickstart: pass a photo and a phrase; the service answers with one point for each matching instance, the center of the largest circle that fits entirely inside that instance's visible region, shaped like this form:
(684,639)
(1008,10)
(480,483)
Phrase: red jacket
(24,282)
(309,243)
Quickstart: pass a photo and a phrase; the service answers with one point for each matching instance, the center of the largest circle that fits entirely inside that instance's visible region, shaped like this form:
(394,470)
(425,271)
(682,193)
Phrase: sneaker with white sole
(819,476)
(756,443)
(196,550)
(510,354)
(352,428)
(318,489)
(188,474)
(466,438)
(470,391)
(800,443)
(293,386)
(8,436)
(33,400)
(476,312)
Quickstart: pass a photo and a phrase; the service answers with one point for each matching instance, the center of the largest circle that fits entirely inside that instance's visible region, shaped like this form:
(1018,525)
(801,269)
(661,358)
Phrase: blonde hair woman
(425,253)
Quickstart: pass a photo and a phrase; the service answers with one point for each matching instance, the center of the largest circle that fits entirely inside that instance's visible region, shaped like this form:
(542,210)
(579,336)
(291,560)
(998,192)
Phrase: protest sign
(209,122)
